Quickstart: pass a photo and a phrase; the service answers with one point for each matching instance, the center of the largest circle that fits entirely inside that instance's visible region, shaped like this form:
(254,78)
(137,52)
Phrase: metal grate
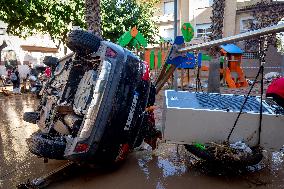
(228,102)
(250,55)
(211,101)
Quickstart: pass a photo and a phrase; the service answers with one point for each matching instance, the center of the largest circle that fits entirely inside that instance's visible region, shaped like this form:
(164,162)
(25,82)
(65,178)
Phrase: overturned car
(94,108)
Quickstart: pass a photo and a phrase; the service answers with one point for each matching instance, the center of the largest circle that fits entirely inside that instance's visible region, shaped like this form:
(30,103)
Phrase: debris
(241,146)
(6,92)
(250,82)
(227,156)
(271,75)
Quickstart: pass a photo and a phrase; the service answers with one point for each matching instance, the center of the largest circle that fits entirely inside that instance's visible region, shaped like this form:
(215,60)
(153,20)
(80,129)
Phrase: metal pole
(282,65)
(175,35)
(240,37)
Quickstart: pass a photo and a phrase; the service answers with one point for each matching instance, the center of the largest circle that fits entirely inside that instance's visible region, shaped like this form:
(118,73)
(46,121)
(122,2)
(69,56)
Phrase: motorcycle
(94,107)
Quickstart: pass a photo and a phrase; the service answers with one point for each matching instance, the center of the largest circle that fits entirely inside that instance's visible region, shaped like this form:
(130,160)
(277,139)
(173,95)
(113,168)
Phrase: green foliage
(119,16)
(53,17)
(56,17)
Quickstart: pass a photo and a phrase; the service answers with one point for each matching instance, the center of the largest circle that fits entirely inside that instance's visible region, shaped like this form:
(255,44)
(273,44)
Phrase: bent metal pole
(240,37)
(236,38)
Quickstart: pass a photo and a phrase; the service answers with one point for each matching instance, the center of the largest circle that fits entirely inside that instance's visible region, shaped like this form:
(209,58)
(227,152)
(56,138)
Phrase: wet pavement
(167,167)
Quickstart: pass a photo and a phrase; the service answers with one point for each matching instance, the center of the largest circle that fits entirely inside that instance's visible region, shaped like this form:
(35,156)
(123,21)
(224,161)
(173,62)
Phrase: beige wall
(240,16)
(244,3)
(203,15)
(229,18)
(191,11)
(184,11)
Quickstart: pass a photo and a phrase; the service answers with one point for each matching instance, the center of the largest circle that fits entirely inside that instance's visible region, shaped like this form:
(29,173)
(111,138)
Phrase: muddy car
(94,107)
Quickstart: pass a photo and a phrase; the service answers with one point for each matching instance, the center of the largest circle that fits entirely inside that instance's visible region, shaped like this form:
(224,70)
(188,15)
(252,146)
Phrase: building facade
(237,18)
(27,51)
(198,13)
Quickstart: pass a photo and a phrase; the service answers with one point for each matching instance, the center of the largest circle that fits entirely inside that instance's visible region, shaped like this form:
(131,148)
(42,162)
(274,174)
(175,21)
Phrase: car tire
(30,117)
(44,145)
(83,42)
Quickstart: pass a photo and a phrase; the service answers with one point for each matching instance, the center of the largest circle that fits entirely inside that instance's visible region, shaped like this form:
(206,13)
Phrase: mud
(167,167)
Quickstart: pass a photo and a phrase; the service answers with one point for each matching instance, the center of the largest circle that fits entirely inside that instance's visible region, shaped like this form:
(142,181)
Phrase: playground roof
(231,48)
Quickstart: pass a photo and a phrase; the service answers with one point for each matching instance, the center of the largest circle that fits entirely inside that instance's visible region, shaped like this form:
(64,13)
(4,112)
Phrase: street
(162,168)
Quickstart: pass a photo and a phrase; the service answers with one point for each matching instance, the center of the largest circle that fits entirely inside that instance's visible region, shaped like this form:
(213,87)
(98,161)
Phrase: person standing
(15,78)
(47,72)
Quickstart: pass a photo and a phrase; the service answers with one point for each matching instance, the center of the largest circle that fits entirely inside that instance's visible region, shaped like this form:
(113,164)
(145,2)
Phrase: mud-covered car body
(94,106)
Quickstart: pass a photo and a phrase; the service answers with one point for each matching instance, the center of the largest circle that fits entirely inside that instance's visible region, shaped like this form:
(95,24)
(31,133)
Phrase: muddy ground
(165,167)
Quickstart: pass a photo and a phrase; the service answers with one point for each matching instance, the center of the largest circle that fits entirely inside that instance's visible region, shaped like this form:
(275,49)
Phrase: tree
(53,17)
(119,16)
(56,17)
(93,16)
(217,19)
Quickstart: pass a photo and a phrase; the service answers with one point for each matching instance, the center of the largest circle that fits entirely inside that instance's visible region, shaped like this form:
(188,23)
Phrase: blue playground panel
(189,61)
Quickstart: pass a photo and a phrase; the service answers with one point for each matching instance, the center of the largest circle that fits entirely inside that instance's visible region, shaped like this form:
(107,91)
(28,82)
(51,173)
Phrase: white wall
(14,43)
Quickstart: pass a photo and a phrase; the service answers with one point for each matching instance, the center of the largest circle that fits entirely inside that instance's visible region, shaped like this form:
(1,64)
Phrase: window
(246,24)
(203,3)
(2,31)
(169,7)
(203,30)
(169,34)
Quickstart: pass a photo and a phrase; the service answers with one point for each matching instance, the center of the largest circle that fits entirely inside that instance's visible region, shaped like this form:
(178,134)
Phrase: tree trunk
(217,19)
(214,76)
(93,16)
(217,33)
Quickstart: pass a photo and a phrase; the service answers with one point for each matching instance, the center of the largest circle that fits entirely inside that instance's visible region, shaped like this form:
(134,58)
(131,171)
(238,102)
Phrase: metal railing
(236,38)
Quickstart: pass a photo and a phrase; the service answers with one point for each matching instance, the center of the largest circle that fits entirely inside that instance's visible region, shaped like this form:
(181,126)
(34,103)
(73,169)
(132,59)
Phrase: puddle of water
(160,186)
(171,168)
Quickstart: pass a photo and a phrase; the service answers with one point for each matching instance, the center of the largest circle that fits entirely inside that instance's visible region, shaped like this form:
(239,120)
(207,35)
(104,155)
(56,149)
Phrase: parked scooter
(94,108)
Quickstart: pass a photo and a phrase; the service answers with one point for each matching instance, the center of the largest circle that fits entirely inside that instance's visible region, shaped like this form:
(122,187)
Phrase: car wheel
(83,42)
(30,117)
(44,145)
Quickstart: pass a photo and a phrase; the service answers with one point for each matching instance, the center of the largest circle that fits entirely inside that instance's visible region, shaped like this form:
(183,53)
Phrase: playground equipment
(232,71)
(259,121)
(133,38)
(178,50)
(155,57)
(259,126)
(187,32)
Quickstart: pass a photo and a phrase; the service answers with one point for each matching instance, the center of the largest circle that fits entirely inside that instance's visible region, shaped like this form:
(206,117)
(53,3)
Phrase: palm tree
(217,30)
(93,16)
(217,18)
